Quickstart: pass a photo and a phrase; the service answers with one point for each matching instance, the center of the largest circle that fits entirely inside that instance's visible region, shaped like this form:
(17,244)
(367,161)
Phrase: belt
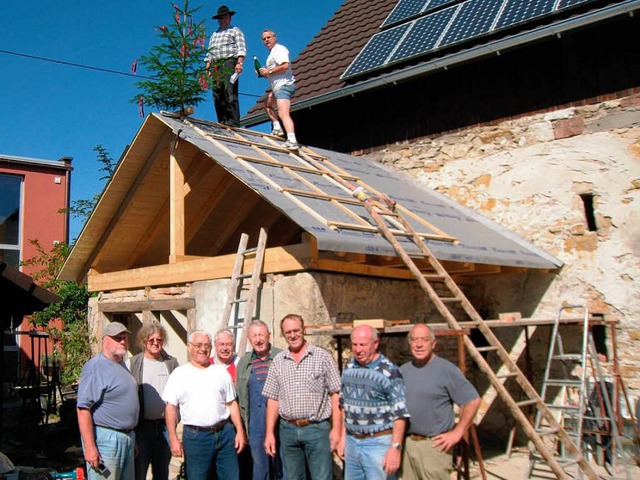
(301,423)
(213,428)
(418,438)
(126,431)
(388,431)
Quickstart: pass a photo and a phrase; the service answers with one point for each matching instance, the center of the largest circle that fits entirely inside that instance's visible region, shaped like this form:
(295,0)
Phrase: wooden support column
(176,202)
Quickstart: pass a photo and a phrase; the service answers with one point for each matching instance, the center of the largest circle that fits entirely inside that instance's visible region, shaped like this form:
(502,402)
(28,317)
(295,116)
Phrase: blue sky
(50,110)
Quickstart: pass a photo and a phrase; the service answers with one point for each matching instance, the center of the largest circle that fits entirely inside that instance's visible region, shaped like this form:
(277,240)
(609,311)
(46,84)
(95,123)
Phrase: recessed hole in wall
(589,212)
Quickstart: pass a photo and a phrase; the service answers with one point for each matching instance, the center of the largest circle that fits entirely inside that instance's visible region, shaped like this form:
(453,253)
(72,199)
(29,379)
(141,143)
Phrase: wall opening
(589,212)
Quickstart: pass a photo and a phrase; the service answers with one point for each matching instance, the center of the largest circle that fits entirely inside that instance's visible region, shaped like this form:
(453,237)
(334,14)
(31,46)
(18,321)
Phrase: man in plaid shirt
(302,387)
(225,56)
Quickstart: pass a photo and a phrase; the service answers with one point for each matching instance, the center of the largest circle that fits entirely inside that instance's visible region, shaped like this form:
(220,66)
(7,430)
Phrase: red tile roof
(318,67)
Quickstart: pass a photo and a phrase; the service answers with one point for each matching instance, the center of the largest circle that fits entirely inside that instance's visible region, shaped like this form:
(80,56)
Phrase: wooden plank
(176,202)
(161,305)
(114,216)
(371,228)
(363,269)
(277,164)
(277,260)
(322,196)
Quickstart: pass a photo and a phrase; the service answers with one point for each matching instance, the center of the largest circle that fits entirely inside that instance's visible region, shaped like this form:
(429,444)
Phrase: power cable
(89,67)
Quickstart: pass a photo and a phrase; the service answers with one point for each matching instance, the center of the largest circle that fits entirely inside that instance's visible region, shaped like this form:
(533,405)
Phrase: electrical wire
(89,67)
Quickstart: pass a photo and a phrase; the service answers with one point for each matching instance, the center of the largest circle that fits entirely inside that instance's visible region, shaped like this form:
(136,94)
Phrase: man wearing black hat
(225,56)
(108,409)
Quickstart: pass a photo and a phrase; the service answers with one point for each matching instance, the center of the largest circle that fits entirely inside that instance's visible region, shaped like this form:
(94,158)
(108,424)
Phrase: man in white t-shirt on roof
(206,399)
(278,103)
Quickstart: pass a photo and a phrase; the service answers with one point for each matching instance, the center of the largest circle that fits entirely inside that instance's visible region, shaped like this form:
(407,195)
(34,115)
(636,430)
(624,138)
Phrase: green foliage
(82,208)
(176,64)
(72,341)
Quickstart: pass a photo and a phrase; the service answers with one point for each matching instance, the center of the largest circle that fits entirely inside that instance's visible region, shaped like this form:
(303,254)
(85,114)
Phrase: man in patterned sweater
(372,399)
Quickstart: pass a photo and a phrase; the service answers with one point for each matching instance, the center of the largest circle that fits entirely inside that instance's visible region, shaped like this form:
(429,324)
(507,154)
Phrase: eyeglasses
(155,340)
(201,346)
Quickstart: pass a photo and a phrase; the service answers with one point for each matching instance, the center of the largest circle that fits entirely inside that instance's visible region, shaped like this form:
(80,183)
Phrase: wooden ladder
(384,213)
(243,289)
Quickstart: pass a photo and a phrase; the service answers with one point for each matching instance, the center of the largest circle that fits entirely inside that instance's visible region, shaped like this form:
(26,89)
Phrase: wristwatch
(270,71)
(397,446)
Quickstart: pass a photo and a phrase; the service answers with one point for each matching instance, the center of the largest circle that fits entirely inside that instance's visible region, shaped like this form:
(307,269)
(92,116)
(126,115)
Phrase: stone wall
(543,176)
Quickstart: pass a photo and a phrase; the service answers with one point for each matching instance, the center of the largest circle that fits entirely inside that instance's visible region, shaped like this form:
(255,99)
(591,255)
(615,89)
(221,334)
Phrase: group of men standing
(224,62)
(292,407)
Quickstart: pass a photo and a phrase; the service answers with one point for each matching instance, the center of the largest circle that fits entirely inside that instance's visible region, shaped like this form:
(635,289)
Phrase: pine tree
(180,78)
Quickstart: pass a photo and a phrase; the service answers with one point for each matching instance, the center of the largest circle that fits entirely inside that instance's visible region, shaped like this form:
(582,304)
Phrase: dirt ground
(56,447)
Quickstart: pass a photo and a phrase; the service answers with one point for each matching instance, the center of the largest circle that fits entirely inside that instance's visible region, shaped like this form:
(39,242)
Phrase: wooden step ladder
(243,289)
(384,213)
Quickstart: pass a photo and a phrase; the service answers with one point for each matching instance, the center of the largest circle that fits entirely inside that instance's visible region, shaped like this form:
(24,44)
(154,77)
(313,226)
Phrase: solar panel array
(416,27)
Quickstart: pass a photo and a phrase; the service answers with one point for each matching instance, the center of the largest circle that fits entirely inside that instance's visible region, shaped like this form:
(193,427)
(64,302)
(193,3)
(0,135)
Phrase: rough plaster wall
(527,174)
(210,297)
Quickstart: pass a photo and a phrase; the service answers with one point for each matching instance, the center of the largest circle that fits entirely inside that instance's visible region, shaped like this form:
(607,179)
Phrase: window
(10,203)
(589,211)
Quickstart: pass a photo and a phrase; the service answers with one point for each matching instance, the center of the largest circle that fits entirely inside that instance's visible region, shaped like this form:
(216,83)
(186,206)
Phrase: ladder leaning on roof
(384,213)
(243,289)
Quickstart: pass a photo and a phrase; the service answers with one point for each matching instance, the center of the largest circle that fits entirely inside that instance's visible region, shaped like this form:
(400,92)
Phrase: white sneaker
(291,146)
(278,132)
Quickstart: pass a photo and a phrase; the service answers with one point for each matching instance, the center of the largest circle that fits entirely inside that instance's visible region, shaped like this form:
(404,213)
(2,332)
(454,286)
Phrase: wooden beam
(361,269)
(176,201)
(140,176)
(278,259)
(148,305)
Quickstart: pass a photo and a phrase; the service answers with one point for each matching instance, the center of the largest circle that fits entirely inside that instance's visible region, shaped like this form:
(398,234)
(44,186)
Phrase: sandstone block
(568,128)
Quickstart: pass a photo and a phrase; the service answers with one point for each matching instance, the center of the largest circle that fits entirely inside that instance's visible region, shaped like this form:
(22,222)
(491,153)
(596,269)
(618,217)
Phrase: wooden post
(176,203)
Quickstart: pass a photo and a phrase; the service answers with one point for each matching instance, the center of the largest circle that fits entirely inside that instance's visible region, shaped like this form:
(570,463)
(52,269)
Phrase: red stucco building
(32,193)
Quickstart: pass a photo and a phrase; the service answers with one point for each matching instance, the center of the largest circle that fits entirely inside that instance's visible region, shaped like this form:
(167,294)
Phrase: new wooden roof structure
(187,189)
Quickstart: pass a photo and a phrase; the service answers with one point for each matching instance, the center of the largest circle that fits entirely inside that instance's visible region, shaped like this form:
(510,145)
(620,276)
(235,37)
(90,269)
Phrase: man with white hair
(205,396)
(108,408)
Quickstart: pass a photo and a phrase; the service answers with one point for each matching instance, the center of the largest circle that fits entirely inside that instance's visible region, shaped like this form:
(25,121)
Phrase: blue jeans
(303,447)
(263,463)
(153,448)
(363,458)
(117,452)
(202,450)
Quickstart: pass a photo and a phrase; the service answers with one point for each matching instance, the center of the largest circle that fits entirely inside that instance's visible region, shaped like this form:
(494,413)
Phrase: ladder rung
(574,357)
(249,250)
(548,431)
(239,300)
(490,348)
(450,299)
(245,275)
(556,382)
(508,375)
(433,277)
(526,403)
(551,406)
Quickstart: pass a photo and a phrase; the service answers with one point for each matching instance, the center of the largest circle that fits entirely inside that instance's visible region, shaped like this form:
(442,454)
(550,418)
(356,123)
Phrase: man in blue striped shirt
(372,399)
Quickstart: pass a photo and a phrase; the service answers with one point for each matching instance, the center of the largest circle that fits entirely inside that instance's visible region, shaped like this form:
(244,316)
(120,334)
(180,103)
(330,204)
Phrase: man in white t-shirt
(278,103)
(206,399)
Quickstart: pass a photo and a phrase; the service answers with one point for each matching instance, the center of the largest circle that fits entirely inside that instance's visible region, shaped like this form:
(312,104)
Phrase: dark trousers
(225,94)
(153,448)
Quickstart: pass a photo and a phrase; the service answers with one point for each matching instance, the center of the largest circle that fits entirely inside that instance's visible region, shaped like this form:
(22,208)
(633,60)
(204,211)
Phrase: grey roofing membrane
(479,239)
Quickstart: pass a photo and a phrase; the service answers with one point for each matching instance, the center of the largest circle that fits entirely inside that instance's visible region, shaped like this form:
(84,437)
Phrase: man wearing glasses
(151,369)
(108,409)
(303,387)
(206,399)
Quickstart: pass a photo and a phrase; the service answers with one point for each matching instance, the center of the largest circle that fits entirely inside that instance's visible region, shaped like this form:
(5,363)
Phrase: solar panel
(435,4)
(378,48)
(474,19)
(403,10)
(520,11)
(424,35)
(569,3)
(450,22)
